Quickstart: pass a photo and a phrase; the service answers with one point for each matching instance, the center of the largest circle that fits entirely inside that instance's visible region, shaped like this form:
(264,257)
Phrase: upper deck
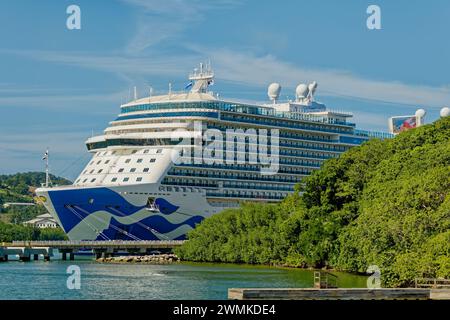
(157,116)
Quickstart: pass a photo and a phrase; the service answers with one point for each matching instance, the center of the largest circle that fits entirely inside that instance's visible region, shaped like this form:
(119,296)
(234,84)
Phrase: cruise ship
(169,161)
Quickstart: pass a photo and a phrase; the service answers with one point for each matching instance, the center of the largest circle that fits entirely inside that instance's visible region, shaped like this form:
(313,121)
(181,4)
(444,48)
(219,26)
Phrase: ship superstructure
(154,175)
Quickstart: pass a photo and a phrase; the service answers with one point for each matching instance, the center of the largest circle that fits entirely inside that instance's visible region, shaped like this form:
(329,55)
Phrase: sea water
(49,280)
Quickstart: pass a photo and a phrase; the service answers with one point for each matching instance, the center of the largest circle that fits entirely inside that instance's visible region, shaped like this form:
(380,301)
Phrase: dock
(326,288)
(31,250)
(338,294)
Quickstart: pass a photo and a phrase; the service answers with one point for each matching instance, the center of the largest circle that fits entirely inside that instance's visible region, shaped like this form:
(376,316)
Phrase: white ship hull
(106,213)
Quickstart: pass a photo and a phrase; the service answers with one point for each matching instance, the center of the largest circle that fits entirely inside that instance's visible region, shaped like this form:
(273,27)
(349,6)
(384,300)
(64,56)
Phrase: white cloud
(23,152)
(261,70)
(74,102)
(160,20)
(257,71)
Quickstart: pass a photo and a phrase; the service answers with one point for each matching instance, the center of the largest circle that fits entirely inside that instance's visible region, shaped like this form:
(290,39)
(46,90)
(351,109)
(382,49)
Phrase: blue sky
(57,86)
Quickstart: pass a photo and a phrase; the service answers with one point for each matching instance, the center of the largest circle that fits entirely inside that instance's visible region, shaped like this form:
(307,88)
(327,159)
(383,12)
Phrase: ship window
(114,179)
(121,170)
(159,151)
(93,180)
(139,179)
(107,161)
(84,180)
(100,171)
(133,170)
(127,161)
(139,160)
(152,160)
(146,169)
(146,151)
(133,152)
(126,179)
(92,171)
(98,162)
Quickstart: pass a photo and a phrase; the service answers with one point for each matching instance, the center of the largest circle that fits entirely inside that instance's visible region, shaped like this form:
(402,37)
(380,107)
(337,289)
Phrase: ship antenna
(135,93)
(47,175)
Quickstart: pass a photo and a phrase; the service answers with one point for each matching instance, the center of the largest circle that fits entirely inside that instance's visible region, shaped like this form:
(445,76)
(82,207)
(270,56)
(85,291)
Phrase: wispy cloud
(159,21)
(162,20)
(68,154)
(45,98)
(261,70)
(257,71)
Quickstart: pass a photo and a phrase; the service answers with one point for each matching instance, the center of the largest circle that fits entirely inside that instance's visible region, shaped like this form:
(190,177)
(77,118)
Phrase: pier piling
(25,258)
(101,249)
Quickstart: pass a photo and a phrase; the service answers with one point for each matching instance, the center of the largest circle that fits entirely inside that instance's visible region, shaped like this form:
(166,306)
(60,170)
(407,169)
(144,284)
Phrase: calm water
(47,280)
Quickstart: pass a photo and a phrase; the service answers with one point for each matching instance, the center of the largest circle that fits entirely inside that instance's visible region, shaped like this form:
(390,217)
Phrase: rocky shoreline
(148,259)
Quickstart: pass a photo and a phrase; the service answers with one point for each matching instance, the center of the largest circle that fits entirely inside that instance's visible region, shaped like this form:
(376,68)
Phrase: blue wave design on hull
(140,231)
(165,207)
(110,201)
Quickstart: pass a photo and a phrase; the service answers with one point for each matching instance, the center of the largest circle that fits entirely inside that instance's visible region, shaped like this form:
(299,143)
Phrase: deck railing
(324,280)
(435,283)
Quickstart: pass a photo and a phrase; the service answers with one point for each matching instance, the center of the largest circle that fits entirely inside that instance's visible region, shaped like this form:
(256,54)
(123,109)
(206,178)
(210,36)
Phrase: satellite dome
(312,87)
(445,112)
(273,91)
(420,113)
(301,91)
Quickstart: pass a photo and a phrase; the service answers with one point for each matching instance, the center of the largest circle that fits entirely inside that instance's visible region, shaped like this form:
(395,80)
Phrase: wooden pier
(338,294)
(101,249)
(326,288)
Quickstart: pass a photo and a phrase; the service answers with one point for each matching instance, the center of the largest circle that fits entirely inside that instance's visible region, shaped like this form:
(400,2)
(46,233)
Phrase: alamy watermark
(74,279)
(235,147)
(373,22)
(374,281)
(73,21)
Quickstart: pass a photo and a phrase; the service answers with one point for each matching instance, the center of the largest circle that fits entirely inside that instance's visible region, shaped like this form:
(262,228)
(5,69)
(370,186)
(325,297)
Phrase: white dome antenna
(445,112)
(273,91)
(420,114)
(301,92)
(312,89)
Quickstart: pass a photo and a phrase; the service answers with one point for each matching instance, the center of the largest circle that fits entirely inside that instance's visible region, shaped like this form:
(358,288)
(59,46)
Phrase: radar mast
(201,78)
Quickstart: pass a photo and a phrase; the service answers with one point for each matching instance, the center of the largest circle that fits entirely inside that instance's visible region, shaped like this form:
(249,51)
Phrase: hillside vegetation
(20,187)
(385,203)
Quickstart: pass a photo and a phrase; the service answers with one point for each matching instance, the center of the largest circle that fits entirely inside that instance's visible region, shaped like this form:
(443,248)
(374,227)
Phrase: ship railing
(373,134)
(238,108)
(94,242)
